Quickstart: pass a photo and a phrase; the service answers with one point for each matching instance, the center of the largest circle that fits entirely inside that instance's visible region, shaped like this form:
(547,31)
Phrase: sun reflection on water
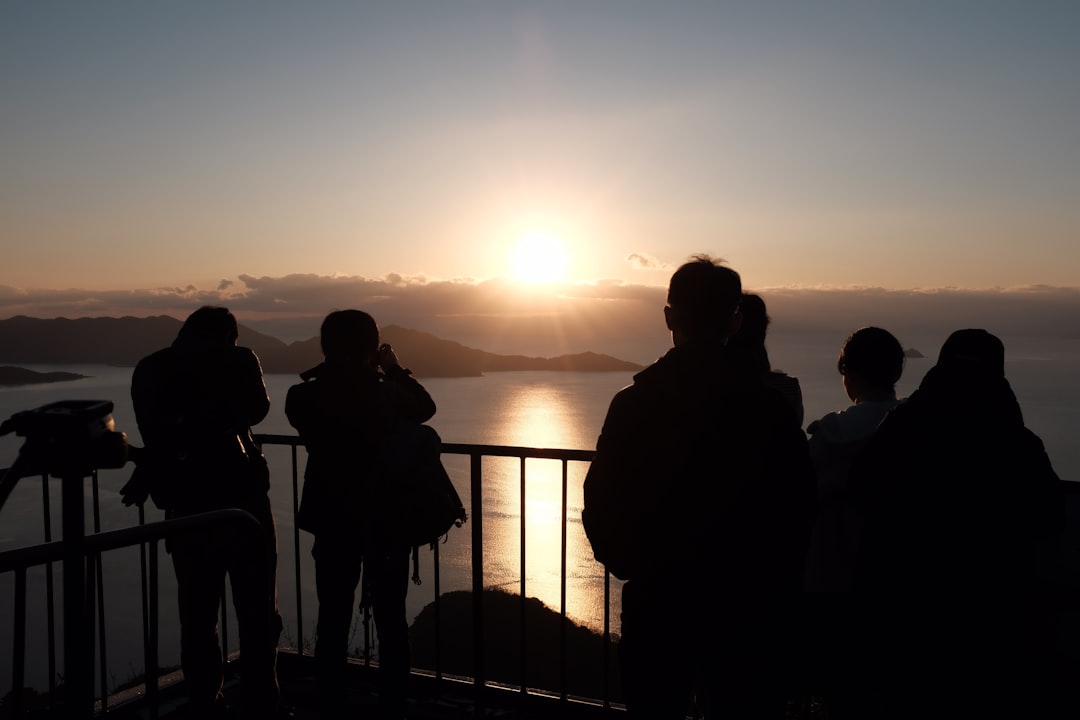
(542,416)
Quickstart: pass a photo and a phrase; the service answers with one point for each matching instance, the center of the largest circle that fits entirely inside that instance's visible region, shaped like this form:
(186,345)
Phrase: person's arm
(607,515)
(405,398)
(154,429)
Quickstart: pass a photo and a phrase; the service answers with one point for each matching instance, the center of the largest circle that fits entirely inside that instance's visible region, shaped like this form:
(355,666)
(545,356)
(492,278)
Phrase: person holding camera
(343,411)
(195,402)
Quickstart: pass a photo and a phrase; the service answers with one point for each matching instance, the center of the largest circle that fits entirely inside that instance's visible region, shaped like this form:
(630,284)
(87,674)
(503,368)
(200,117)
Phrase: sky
(285,158)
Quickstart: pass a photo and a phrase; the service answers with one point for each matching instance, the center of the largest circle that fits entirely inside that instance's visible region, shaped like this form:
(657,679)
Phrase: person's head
(211,326)
(703,301)
(755,321)
(349,336)
(974,353)
(750,339)
(871,359)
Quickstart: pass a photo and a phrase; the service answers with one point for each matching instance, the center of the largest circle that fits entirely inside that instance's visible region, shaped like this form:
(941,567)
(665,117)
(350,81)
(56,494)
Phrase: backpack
(416,502)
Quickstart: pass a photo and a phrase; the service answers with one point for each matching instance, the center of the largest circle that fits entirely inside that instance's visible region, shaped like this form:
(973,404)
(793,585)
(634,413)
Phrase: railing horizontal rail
(125,537)
(513,451)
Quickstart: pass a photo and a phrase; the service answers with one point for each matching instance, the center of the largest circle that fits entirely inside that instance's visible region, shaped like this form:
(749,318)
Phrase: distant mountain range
(124,341)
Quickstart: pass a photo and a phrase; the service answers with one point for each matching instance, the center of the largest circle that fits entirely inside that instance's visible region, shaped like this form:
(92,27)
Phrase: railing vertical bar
(152,670)
(438,611)
(366,621)
(476,501)
(563,694)
(224,630)
(296,554)
(18,635)
(90,609)
(144,592)
(102,649)
(99,570)
(77,684)
(50,588)
(607,640)
(521,561)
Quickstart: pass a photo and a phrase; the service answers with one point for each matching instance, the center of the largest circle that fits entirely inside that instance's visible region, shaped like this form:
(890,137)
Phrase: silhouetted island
(506,641)
(10,375)
(124,341)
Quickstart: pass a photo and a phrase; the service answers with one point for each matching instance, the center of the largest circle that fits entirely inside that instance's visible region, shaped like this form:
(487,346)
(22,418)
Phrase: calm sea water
(535,409)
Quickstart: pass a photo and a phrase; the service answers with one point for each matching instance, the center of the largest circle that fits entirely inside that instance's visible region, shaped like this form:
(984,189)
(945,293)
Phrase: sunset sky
(154,155)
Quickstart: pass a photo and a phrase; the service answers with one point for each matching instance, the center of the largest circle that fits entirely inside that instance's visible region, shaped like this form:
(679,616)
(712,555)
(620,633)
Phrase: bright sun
(539,257)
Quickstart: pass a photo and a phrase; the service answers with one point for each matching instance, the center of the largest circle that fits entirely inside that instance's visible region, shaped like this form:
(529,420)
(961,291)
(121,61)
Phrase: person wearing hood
(343,411)
(195,403)
(701,472)
(962,519)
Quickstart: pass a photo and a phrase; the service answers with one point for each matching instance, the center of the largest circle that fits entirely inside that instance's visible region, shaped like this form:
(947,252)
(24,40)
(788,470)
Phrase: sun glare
(539,257)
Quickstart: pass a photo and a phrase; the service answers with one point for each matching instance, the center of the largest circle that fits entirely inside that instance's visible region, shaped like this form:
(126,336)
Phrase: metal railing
(94,623)
(476,478)
(82,624)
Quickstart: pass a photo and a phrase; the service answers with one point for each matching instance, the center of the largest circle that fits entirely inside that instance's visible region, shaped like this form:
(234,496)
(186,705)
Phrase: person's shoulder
(244,355)
(782,381)
(853,424)
(155,361)
(156,356)
(299,393)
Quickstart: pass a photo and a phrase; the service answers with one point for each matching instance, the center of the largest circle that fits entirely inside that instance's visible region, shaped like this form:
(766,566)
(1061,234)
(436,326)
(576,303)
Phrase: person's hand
(136,490)
(387,358)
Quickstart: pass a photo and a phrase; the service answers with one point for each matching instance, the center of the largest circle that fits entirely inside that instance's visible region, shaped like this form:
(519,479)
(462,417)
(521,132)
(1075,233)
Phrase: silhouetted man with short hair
(701,497)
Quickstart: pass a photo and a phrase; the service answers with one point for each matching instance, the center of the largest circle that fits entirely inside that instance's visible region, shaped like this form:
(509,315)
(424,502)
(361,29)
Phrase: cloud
(644,261)
(1033,310)
(623,319)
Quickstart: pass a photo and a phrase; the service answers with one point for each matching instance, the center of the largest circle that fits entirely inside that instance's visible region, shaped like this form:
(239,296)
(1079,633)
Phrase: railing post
(152,668)
(296,555)
(76,651)
(18,634)
(562,580)
(522,618)
(97,581)
(607,640)
(476,499)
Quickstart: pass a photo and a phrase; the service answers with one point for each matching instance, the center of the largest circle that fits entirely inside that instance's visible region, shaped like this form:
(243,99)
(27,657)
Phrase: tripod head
(68,437)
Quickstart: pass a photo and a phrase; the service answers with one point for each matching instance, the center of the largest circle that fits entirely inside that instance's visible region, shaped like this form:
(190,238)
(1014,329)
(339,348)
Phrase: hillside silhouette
(508,643)
(10,376)
(124,341)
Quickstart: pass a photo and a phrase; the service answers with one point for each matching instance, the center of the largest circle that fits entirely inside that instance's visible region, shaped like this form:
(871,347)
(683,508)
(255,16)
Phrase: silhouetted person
(870,364)
(701,497)
(195,403)
(962,517)
(343,411)
(749,344)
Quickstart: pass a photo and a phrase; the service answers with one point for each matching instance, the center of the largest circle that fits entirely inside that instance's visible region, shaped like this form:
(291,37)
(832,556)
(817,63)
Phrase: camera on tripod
(68,437)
